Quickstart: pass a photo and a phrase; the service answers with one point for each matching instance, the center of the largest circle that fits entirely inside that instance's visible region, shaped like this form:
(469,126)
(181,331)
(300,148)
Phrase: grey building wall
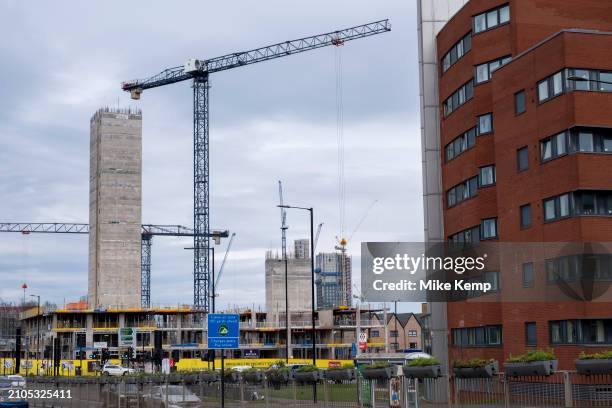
(115,198)
(299,283)
(432,15)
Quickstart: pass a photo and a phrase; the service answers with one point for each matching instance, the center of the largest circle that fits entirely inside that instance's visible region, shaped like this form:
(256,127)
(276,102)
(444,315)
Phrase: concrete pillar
(88,329)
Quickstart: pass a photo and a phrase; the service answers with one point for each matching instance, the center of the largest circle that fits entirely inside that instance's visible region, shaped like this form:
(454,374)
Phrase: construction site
(309,313)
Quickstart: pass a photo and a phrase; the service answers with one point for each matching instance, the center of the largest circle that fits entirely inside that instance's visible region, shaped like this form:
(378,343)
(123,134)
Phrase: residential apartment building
(518,151)
(405,332)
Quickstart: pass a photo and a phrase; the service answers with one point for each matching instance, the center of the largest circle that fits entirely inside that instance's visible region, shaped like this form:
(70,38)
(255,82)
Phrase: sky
(271,121)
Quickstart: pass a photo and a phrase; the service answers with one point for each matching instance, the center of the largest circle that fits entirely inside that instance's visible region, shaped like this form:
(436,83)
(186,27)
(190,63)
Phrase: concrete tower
(115,198)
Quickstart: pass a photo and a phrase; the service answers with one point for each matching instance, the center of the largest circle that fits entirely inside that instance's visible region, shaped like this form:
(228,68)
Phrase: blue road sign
(223,331)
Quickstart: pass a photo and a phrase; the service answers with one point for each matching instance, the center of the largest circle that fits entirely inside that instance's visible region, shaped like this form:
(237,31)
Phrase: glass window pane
(607,143)
(461,97)
(480,23)
(459,49)
(585,141)
(492,20)
(528,275)
(560,144)
(605,83)
(504,14)
(473,184)
(519,102)
(458,146)
(450,152)
(471,138)
(487,175)
(525,216)
(549,209)
(581,85)
(469,90)
(484,124)
(543,91)
(467,43)
(489,228)
(557,83)
(522,159)
(446,62)
(494,65)
(546,149)
(482,73)
(564,205)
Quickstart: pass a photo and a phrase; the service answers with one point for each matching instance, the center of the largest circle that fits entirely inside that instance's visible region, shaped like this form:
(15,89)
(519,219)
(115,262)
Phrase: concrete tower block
(115,202)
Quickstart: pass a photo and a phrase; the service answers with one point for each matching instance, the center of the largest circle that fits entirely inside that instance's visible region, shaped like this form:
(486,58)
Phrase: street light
(312,272)
(37,327)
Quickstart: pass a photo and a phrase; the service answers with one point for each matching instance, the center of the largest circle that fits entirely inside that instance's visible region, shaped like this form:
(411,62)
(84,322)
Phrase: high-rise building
(515,100)
(115,184)
(333,272)
(299,279)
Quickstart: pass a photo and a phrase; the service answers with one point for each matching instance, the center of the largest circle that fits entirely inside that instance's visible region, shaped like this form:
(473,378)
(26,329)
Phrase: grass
(338,393)
(604,355)
(423,362)
(532,356)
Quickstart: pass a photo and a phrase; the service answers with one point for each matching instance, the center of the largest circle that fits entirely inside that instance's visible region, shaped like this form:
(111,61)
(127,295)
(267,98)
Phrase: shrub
(531,356)
(346,366)
(378,364)
(306,369)
(604,355)
(423,362)
(473,363)
(251,370)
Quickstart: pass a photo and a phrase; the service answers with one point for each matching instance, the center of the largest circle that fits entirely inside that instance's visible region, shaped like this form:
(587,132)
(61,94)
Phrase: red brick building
(525,90)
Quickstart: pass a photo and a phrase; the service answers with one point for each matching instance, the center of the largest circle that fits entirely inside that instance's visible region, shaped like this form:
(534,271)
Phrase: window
(525,213)
(493,279)
(457,51)
(374,333)
(593,202)
(531,338)
(462,192)
(477,336)
(458,98)
(591,140)
(557,207)
(528,275)
(484,71)
(522,158)
(550,87)
(519,102)
(485,124)
(488,228)
(583,331)
(486,176)
(491,18)
(412,333)
(393,333)
(553,146)
(468,236)
(460,144)
(413,346)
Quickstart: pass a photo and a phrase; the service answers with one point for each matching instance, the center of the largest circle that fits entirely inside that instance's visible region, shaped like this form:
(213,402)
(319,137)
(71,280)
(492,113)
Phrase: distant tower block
(115,198)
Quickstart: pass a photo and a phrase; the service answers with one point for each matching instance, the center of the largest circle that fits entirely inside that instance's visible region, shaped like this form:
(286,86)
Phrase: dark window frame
(531,339)
(466,39)
(500,60)
(499,23)
(528,283)
(519,168)
(522,93)
(522,224)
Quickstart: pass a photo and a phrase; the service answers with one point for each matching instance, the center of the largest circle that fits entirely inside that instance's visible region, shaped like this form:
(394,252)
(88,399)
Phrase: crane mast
(199,71)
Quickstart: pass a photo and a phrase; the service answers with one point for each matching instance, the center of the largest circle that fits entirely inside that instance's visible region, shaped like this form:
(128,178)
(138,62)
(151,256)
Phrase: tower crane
(147,233)
(220,273)
(199,71)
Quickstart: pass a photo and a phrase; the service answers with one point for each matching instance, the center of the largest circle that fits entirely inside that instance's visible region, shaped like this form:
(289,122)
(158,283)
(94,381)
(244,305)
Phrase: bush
(251,370)
(604,355)
(473,363)
(423,362)
(306,369)
(531,356)
(346,366)
(378,364)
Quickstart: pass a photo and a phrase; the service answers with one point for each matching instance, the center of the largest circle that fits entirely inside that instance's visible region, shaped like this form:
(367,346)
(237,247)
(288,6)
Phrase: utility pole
(38,317)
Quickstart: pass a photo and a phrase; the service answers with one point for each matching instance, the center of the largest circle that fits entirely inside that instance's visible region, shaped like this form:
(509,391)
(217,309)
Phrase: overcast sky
(62,60)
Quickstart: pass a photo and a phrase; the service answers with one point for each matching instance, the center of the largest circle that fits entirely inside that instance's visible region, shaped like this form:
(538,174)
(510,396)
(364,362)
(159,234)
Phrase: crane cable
(340,138)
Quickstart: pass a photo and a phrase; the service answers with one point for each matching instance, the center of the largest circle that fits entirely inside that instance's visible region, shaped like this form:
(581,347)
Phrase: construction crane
(199,71)
(147,234)
(316,240)
(220,273)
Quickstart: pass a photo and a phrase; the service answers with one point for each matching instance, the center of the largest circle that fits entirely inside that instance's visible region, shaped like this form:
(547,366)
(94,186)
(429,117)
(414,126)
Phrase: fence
(561,389)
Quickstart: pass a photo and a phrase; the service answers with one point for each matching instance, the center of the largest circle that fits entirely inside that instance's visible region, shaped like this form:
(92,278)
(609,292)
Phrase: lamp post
(37,327)
(312,288)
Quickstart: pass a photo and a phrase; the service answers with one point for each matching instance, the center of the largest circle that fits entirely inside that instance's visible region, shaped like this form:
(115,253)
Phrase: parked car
(176,395)
(17,380)
(117,370)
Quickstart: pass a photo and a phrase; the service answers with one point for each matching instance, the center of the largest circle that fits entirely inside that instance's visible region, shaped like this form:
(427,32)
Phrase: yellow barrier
(68,367)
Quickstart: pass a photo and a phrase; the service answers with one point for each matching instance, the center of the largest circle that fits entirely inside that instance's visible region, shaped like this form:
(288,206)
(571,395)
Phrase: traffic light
(105,356)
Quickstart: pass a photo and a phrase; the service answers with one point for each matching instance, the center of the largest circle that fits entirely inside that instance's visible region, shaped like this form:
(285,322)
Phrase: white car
(117,370)
(17,380)
(171,396)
